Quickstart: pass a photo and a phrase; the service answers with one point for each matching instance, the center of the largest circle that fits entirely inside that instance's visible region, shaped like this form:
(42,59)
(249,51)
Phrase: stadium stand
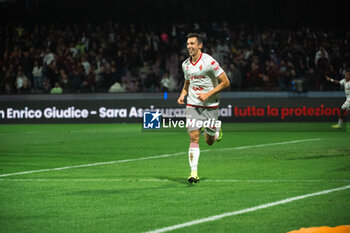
(135,56)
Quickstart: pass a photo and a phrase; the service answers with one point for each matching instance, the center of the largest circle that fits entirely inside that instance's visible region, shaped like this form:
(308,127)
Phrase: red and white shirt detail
(203,77)
(346,85)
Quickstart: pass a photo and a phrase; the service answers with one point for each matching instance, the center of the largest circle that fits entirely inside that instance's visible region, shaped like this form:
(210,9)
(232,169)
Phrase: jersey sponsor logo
(197,77)
(201,67)
(198,88)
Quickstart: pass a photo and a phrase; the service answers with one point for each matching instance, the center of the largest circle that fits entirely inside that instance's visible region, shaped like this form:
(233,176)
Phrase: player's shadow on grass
(180,180)
(116,191)
(317,157)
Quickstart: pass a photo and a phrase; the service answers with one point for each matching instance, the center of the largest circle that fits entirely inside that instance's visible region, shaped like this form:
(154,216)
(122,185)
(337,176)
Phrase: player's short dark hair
(198,36)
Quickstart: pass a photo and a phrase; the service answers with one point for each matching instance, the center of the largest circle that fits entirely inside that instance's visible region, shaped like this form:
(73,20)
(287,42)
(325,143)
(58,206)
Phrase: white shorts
(202,114)
(346,105)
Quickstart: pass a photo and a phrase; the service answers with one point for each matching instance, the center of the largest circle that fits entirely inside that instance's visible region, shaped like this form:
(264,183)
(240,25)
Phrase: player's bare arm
(181,99)
(332,80)
(224,82)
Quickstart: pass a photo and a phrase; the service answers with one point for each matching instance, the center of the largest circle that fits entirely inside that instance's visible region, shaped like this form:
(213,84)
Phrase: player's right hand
(181,99)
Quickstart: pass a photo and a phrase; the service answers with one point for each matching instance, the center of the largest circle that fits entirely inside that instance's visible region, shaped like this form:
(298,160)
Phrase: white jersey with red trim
(346,85)
(203,78)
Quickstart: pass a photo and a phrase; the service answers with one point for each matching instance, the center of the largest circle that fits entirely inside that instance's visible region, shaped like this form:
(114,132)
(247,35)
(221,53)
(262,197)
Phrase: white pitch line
(91,164)
(155,157)
(275,181)
(271,144)
(255,208)
(85,180)
(166,180)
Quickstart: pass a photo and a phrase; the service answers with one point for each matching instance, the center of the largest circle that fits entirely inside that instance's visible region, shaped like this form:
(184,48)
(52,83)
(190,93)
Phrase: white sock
(217,133)
(193,156)
(340,122)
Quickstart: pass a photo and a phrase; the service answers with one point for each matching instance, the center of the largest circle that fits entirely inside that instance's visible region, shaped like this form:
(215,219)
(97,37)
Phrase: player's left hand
(202,96)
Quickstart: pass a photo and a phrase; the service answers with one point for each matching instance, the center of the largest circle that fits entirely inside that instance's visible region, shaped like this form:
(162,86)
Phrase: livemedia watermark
(153,120)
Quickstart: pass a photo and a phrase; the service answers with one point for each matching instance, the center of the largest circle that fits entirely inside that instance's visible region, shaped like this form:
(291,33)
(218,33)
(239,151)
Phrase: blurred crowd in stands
(134,57)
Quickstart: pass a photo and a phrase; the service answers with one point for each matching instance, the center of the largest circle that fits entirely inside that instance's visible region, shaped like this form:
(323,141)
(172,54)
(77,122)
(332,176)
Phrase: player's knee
(194,136)
(194,140)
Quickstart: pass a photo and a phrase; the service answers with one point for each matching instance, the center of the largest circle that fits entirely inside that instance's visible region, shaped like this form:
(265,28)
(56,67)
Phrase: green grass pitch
(139,195)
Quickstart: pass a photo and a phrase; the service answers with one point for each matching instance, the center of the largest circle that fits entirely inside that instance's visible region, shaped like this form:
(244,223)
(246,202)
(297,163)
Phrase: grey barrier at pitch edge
(128,108)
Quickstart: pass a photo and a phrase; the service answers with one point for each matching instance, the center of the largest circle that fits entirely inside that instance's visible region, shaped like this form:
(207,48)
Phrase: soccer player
(345,82)
(204,79)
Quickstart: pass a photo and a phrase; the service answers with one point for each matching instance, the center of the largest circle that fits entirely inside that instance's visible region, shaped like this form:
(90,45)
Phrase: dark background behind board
(322,13)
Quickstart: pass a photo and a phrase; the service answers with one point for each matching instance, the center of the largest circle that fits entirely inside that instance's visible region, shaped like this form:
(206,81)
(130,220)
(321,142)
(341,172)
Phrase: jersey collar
(197,60)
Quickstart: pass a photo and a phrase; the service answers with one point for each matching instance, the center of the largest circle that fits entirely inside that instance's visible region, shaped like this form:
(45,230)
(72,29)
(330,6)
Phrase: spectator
(271,81)
(46,86)
(113,77)
(152,81)
(80,47)
(22,83)
(322,69)
(65,82)
(52,74)
(90,79)
(37,76)
(48,59)
(282,76)
(76,78)
(343,68)
(8,82)
(100,79)
(56,89)
(218,56)
(27,64)
(128,46)
(254,77)
(310,79)
(86,64)
(321,53)
(235,77)
(73,49)
(116,88)
(165,82)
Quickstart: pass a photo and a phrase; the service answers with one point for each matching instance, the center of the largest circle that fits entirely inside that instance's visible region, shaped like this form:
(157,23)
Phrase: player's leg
(212,136)
(193,114)
(340,119)
(212,133)
(193,155)
(341,116)
(209,139)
